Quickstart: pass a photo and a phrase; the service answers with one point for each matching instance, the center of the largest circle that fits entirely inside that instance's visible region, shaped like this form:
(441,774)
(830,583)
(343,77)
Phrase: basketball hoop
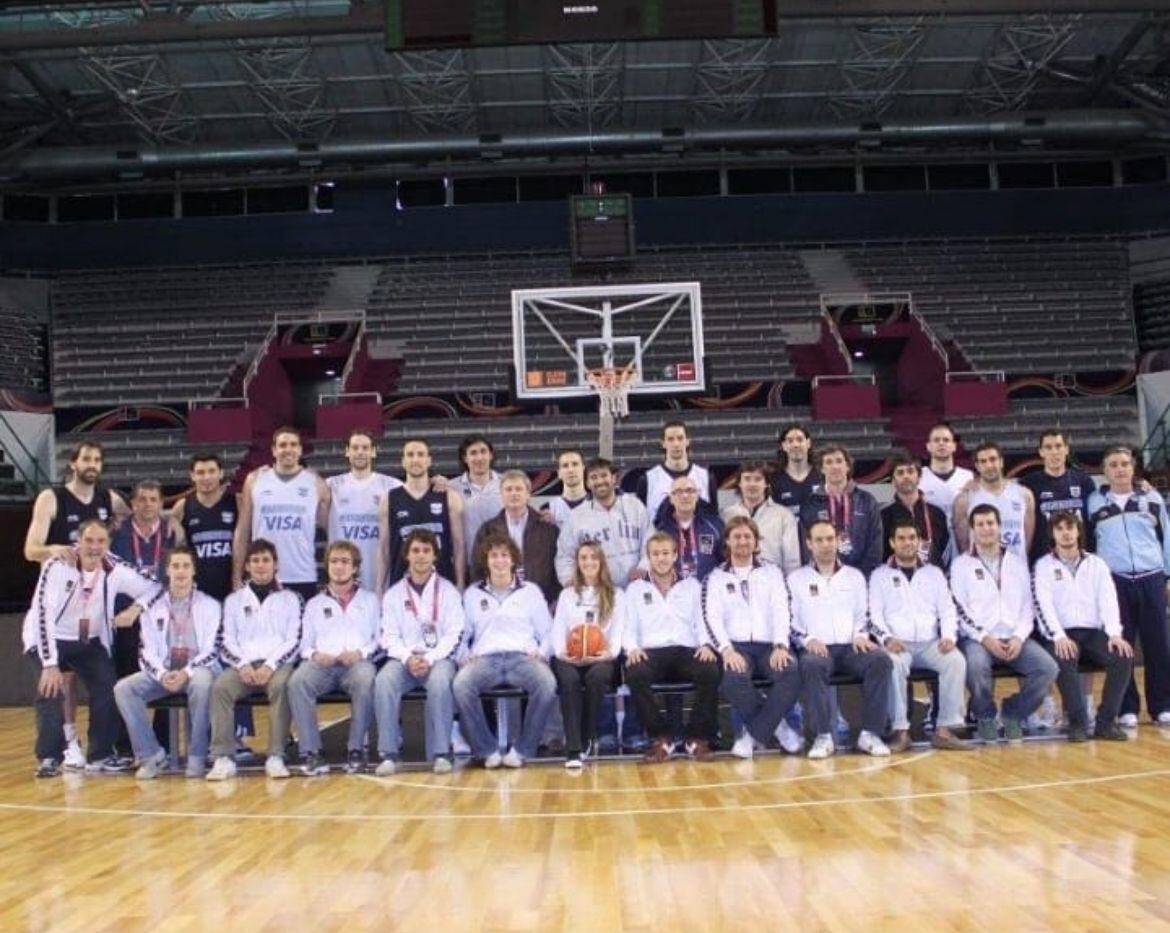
(613,388)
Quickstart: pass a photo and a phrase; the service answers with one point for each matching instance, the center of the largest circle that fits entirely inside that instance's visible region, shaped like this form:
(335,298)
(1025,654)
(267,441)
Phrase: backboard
(559,334)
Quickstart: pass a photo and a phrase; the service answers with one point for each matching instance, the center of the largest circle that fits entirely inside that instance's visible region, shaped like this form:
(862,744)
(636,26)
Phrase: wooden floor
(1045,836)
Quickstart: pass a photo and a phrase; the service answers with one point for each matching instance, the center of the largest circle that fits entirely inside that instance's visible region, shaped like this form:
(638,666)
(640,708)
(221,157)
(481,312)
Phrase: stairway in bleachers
(350,288)
(830,271)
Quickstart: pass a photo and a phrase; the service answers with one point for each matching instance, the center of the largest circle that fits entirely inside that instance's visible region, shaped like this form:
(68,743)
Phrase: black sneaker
(1110,732)
(356,762)
(112,765)
(314,765)
(1078,734)
(49,767)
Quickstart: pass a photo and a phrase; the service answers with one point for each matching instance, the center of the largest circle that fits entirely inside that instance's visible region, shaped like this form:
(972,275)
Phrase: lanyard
(87,590)
(181,619)
(414,607)
(997,573)
(688,546)
(841,511)
(135,543)
(921,514)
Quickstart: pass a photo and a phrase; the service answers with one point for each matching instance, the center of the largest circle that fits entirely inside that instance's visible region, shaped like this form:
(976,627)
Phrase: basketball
(585,641)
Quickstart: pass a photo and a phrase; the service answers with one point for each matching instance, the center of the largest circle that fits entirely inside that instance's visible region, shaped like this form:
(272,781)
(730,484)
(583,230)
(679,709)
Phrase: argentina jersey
(353,515)
(284,511)
(1012,507)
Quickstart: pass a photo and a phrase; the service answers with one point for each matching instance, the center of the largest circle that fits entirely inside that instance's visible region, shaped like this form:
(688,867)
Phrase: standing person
(53,532)
(590,601)
(934,540)
(205,521)
(616,521)
(1013,503)
(141,542)
(355,502)
(508,642)
(422,628)
(180,654)
(941,480)
(284,504)
(416,505)
(261,635)
(536,539)
(993,595)
(796,479)
(779,534)
(338,645)
(1056,487)
(745,610)
(912,612)
(830,625)
(695,525)
(478,486)
(852,511)
(1079,617)
(571,473)
(654,485)
(68,629)
(664,640)
(1130,530)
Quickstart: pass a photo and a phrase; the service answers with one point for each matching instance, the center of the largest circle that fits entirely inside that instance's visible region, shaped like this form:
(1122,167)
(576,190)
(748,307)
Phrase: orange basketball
(585,641)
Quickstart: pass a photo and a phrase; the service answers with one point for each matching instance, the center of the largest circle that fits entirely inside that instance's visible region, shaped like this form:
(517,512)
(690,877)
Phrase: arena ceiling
(126,89)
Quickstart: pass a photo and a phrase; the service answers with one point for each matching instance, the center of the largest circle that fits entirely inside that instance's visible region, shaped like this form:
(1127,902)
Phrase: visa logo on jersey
(282,523)
(213,549)
(359,532)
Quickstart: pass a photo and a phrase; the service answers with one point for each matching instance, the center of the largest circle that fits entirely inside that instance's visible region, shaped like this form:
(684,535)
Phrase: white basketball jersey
(353,515)
(284,511)
(942,493)
(1012,508)
(658,483)
(561,510)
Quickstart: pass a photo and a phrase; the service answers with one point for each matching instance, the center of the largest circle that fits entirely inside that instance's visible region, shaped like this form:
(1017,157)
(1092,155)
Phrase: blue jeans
(392,682)
(1035,666)
(951,670)
(311,680)
(516,669)
(872,667)
(134,692)
(761,713)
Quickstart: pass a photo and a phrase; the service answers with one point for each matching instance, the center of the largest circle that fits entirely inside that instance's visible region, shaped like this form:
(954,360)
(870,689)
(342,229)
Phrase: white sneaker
(275,767)
(822,746)
(74,759)
(1127,720)
(1163,718)
(513,759)
(872,745)
(223,769)
(744,747)
(442,765)
(493,761)
(574,763)
(386,767)
(790,740)
(150,768)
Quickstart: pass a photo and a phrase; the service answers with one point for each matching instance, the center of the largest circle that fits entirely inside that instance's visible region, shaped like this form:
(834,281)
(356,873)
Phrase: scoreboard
(463,23)
(601,230)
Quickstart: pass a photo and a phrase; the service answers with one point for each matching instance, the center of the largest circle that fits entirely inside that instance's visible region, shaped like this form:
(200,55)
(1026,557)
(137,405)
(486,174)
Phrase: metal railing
(860,379)
(39,478)
(347,371)
(935,343)
(835,332)
(326,398)
(1155,451)
(977,375)
(199,404)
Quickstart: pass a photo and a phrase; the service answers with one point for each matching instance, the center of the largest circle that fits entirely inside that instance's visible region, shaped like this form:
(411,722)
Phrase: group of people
(461,586)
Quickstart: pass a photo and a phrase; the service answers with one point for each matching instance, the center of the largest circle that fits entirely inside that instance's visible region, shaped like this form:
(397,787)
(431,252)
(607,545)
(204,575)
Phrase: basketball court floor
(1043,836)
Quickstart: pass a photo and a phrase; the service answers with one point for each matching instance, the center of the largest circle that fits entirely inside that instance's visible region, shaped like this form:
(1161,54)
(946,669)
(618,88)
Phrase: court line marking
(881,765)
(583,814)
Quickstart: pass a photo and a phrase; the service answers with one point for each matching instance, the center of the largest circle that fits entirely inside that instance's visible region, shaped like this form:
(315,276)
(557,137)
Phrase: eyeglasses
(685,492)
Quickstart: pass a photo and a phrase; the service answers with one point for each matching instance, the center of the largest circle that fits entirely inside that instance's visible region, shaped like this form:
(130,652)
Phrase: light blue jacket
(1134,540)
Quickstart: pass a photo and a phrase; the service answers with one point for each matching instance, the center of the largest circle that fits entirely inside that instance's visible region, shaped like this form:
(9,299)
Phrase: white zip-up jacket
(575,609)
(407,615)
(917,609)
(269,632)
(518,622)
(832,610)
(779,534)
(621,530)
(57,591)
(154,649)
(1085,597)
(1001,609)
(331,629)
(657,621)
(758,615)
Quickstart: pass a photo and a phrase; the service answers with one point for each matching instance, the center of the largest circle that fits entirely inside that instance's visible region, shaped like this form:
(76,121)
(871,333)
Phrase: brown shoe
(899,741)
(657,753)
(700,750)
(948,741)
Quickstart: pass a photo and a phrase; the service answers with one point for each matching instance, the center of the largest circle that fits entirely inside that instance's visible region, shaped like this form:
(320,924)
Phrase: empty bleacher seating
(22,365)
(1091,422)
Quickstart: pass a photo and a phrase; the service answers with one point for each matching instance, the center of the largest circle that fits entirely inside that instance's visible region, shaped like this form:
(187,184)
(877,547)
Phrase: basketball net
(613,388)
